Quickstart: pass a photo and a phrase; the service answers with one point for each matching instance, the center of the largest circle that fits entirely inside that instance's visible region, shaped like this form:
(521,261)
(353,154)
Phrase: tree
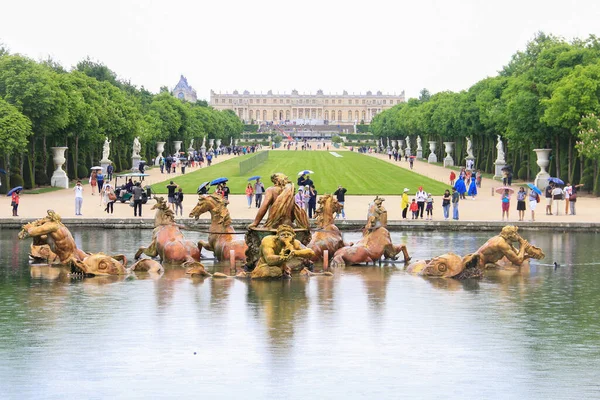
(589,144)
(15,128)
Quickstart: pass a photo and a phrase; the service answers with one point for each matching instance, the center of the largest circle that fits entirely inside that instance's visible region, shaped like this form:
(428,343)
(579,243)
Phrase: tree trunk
(595,190)
(44,153)
(76,157)
(557,155)
(570,160)
(581,167)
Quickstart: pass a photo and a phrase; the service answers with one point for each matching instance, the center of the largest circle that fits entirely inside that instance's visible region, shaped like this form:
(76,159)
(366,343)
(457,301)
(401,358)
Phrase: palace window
(326,101)
(356,101)
(314,101)
(230,101)
(340,102)
(287,101)
(265,102)
(384,102)
(363,101)
(280,101)
(251,101)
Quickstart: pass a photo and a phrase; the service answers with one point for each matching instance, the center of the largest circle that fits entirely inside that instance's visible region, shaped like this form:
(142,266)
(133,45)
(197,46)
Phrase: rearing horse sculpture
(327,236)
(167,240)
(221,238)
(376,240)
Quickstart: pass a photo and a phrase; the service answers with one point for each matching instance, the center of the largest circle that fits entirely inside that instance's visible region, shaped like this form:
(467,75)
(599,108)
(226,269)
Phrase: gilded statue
(375,243)
(276,251)
(327,236)
(54,240)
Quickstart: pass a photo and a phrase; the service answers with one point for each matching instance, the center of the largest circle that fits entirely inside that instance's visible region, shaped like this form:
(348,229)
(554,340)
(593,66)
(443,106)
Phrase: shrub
(82,171)
(336,139)
(16,180)
(41,178)
(277,139)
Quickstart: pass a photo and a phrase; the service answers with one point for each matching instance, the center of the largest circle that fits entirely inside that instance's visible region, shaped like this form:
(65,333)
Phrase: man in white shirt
(78,189)
(421,198)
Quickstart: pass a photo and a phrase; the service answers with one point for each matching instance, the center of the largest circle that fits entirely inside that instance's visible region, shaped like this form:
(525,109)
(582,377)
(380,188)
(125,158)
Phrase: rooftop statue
(376,240)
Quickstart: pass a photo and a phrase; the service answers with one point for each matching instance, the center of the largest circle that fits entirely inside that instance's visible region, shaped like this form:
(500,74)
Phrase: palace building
(308,109)
(184,91)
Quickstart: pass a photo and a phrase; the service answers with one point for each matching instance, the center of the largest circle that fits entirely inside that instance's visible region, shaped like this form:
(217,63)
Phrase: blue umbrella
(217,181)
(558,181)
(11,191)
(2,171)
(253,178)
(305,172)
(534,188)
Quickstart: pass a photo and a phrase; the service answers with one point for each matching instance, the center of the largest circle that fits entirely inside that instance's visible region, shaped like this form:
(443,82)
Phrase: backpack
(537,198)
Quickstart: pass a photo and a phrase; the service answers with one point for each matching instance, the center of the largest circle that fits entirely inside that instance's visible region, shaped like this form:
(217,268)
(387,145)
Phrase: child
(505,204)
(414,207)
(429,207)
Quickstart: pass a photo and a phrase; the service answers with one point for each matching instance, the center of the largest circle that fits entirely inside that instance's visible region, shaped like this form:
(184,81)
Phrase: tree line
(547,96)
(42,105)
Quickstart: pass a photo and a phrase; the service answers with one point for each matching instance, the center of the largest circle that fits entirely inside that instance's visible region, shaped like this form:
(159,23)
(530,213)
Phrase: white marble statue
(137,147)
(191,143)
(469,148)
(204,141)
(500,148)
(106,149)
(419,143)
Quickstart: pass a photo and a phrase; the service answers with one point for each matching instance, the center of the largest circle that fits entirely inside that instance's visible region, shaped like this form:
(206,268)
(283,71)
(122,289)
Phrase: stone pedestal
(541,179)
(470,163)
(498,173)
(177,146)
(432,156)
(59,177)
(203,151)
(160,147)
(448,160)
(419,148)
(135,163)
(104,164)
(419,153)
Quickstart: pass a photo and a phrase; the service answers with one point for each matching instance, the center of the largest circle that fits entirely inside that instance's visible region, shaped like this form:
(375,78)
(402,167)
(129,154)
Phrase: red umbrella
(501,189)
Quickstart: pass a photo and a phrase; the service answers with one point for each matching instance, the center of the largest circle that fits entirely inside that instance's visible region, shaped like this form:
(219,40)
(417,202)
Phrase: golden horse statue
(376,240)
(221,238)
(327,236)
(168,242)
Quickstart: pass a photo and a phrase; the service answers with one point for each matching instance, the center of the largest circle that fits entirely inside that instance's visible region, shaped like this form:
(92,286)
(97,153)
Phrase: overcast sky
(284,45)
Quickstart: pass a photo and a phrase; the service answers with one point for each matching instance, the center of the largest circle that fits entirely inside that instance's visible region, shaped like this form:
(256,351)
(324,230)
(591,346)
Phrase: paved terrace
(483,213)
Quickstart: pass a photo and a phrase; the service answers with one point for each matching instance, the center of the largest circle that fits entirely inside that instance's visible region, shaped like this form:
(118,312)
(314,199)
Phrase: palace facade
(184,91)
(308,109)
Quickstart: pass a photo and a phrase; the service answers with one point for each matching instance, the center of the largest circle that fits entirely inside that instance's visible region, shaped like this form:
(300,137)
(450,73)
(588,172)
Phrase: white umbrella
(305,172)
(96,168)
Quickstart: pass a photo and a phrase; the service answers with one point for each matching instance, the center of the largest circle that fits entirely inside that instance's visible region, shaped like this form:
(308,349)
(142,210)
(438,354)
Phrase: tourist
(14,202)
(505,200)
(108,197)
(557,197)
(100,181)
(340,195)
(421,197)
(414,208)
(78,189)
(138,193)
(225,190)
(306,197)
(179,201)
(534,199)
(249,194)
(478,178)
(548,195)
(461,188)
(219,190)
(455,200)
(183,165)
(302,180)
(446,204)
(109,172)
(94,180)
(161,164)
(429,207)
(312,201)
(567,194)
(171,187)
(129,186)
(521,203)
(411,161)
(452,178)
(404,204)
(299,198)
(573,197)
(472,189)
(259,189)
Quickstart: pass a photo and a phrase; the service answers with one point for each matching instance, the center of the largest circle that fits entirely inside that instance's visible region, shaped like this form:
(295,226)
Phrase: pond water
(372,332)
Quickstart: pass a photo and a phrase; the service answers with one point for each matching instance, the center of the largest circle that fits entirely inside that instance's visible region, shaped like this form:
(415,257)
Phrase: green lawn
(360,174)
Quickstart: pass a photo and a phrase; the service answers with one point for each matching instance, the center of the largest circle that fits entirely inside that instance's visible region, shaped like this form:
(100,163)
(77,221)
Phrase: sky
(280,45)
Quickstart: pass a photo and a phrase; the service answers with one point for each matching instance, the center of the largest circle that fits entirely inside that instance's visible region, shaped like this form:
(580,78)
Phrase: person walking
(259,189)
(521,195)
(548,195)
(78,189)
(312,201)
(567,194)
(179,201)
(249,194)
(109,172)
(94,181)
(100,181)
(14,202)
(137,199)
(340,195)
(455,200)
(505,201)
(108,198)
(573,197)
(452,178)
(446,204)
(171,187)
(404,204)
(534,199)
(472,189)
(421,197)
(429,208)
(557,197)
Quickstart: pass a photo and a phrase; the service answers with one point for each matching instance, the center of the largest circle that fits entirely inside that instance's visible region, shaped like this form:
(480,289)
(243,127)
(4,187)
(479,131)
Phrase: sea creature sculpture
(376,240)
(221,238)
(168,242)
(327,236)
(447,265)
(53,243)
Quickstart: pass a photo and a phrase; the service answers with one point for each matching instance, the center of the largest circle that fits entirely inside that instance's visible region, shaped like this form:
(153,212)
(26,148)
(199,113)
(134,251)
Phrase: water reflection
(298,337)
